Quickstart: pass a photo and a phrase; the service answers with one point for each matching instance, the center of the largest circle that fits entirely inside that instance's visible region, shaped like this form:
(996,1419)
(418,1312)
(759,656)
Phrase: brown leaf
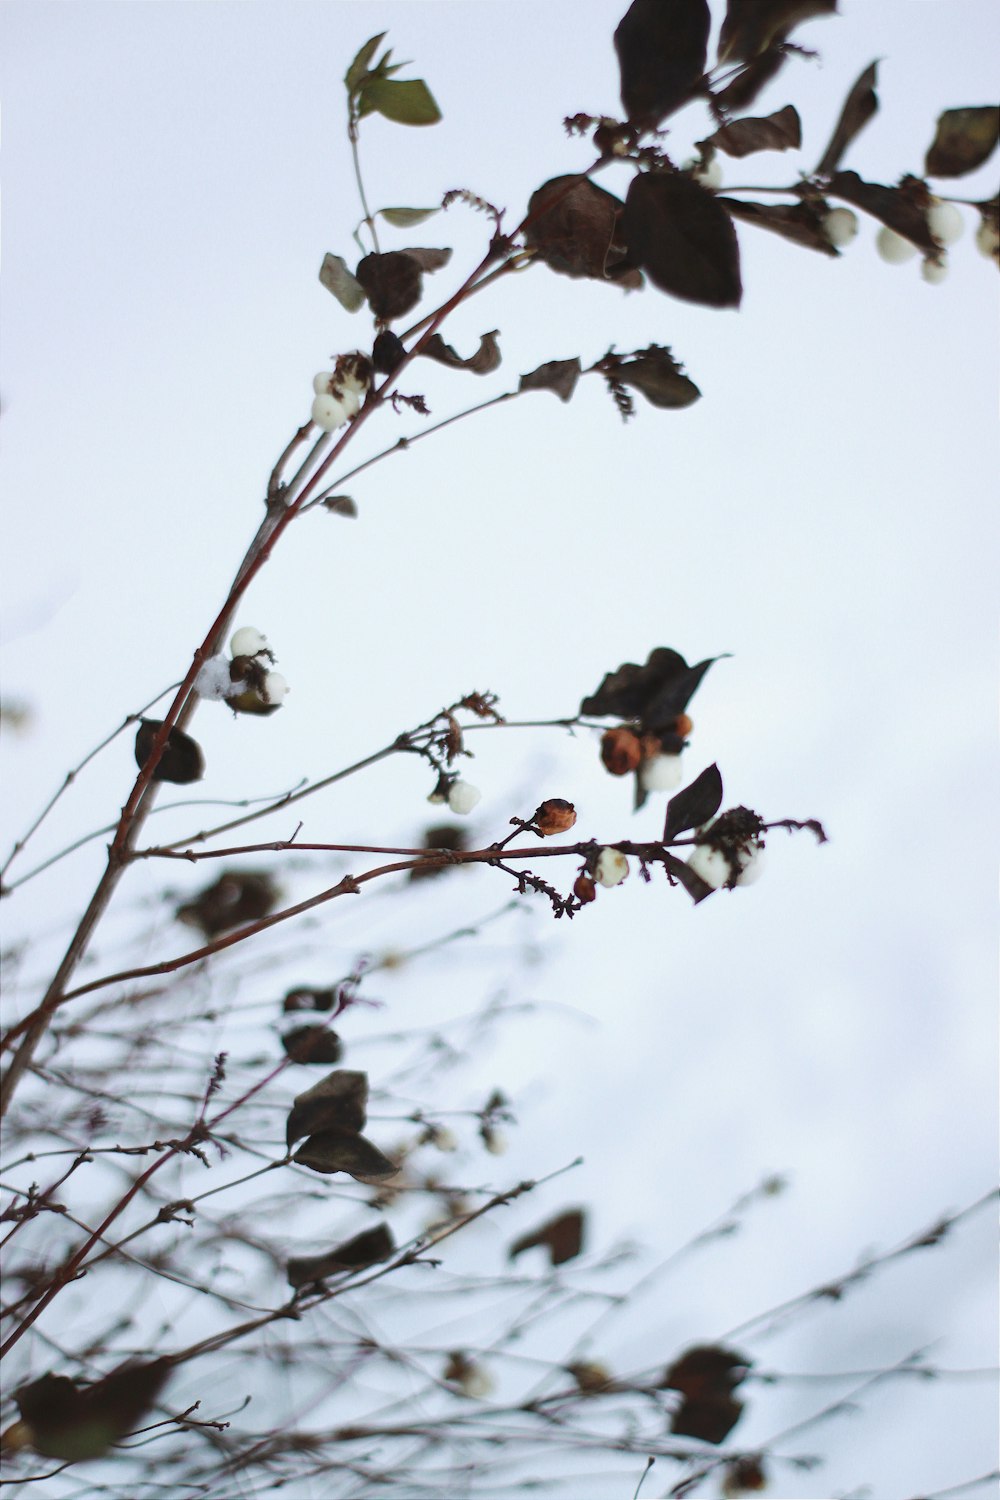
(654,694)
(483,362)
(655,373)
(694,806)
(393,282)
(73,1423)
(182,759)
(344,1151)
(683,239)
(661,50)
(313,1044)
(964,139)
(341,505)
(752,26)
(306,997)
(711,1419)
(366,1249)
(236,897)
(442,836)
(859,107)
(562,1237)
(706,1370)
(574,228)
(742,90)
(802,223)
(902,208)
(778,132)
(340,1100)
(558,375)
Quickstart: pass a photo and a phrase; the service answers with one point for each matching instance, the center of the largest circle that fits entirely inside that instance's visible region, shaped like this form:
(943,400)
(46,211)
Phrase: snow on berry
(274,688)
(213,680)
(247,641)
(711,865)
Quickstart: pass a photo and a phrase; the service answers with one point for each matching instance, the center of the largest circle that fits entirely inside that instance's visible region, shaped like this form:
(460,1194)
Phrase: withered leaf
(182,759)
(656,373)
(341,505)
(654,693)
(558,375)
(561,1236)
(73,1422)
(313,1044)
(743,89)
(388,352)
(483,362)
(393,281)
(441,836)
(683,239)
(344,1151)
(859,107)
(306,997)
(695,804)
(711,1419)
(661,50)
(339,1100)
(335,276)
(802,223)
(778,132)
(574,228)
(752,26)
(366,1249)
(237,896)
(682,872)
(902,208)
(964,139)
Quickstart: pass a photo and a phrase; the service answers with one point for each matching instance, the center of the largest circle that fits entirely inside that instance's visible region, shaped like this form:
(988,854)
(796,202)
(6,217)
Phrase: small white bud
(934,271)
(329,413)
(275,688)
(213,680)
(711,864)
(321,382)
(611,868)
(840,226)
(945,222)
(894,248)
(463,796)
(987,239)
(247,642)
(661,773)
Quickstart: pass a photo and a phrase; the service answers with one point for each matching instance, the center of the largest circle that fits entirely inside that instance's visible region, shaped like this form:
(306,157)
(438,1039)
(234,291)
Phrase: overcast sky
(826,513)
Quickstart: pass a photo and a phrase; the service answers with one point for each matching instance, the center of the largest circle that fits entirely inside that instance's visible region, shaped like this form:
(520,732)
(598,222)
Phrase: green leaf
(335,276)
(358,70)
(408,103)
(404,218)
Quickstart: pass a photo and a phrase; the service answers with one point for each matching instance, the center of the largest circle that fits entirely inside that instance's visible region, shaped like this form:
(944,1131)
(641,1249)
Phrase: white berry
(611,867)
(329,413)
(934,271)
(840,226)
(661,773)
(247,641)
(462,797)
(945,222)
(751,863)
(275,688)
(987,239)
(894,248)
(321,382)
(711,865)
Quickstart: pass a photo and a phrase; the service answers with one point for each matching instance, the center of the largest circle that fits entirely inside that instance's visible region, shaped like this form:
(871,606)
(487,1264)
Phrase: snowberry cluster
(729,852)
(340,391)
(946,226)
(246,679)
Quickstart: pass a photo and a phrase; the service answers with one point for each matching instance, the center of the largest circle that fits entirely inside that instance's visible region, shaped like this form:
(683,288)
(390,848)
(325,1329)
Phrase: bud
(462,797)
(621,751)
(554,816)
(213,680)
(840,226)
(894,248)
(611,868)
(274,688)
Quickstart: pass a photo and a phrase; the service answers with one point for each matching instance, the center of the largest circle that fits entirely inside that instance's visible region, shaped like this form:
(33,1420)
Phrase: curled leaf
(964,139)
(662,49)
(340,1100)
(557,375)
(653,694)
(778,132)
(393,281)
(706,1376)
(344,1151)
(181,761)
(574,229)
(483,362)
(902,208)
(683,239)
(859,107)
(802,223)
(561,1236)
(335,276)
(655,373)
(366,1249)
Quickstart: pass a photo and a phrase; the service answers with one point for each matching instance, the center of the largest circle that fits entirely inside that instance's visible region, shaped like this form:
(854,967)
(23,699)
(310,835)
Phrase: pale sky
(174,174)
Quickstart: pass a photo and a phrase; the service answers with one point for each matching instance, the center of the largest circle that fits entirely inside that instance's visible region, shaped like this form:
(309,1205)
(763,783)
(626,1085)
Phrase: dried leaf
(558,375)
(574,228)
(406,218)
(442,836)
(859,107)
(561,1236)
(662,51)
(304,997)
(388,352)
(683,239)
(340,1100)
(429,257)
(742,90)
(407,103)
(235,898)
(752,26)
(344,1151)
(778,132)
(656,373)
(74,1423)
(393,281)
(902,208)
(366,1249)
(682,872)
(695,804)
(341,505)
(182,760)
(313,1044)
(335,276)
(711,1419)
(964,139)
(483,362)
(654,694)
(802,223)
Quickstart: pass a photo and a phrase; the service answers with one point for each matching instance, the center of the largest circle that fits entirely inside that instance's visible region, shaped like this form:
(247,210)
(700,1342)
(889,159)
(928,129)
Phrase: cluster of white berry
(340,391)
(246,679)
